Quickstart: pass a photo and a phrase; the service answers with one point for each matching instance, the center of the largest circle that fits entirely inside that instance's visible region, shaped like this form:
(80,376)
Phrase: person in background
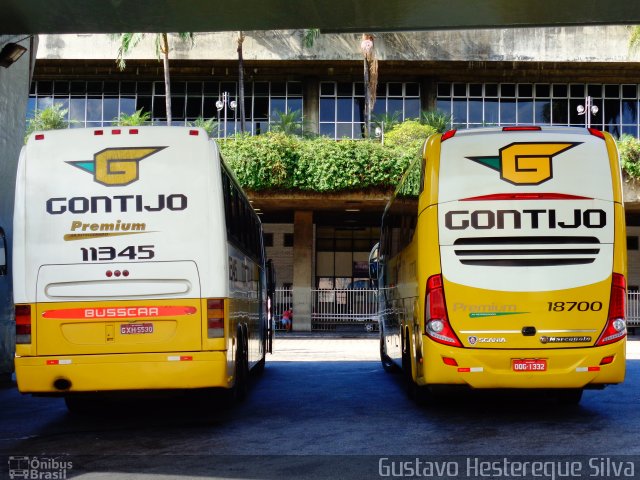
(287,319)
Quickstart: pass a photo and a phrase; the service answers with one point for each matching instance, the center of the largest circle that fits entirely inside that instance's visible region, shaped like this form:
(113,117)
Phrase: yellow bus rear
(512,271)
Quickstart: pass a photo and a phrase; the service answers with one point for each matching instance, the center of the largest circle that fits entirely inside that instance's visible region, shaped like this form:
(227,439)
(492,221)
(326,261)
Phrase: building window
(342,106)
(288,240)
(493,104)
(98,104)
(268,239)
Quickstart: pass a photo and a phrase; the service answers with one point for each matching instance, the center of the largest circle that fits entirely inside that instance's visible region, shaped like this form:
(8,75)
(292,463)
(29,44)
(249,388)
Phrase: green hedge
(629,150)
(275,161)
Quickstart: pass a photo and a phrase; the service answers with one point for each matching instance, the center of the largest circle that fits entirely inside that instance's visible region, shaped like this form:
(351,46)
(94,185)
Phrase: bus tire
(387,363)
(78,405)
(241,384)
(569,396)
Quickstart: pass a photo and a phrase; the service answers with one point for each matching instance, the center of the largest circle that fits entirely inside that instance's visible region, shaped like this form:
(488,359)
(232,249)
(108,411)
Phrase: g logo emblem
(525,163)
(116,166)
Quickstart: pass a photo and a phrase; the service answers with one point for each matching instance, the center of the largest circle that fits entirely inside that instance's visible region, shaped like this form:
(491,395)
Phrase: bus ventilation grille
(526,251)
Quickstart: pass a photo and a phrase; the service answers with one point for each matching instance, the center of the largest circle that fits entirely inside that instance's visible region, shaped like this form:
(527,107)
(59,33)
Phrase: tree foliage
(276,161)
(50,118)
(629,150)
(410,133)
(136,119)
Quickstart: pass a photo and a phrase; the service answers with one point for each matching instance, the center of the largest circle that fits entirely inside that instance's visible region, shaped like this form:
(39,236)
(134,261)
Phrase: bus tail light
(616,327)
(23,324)
(436,320)
(215,318)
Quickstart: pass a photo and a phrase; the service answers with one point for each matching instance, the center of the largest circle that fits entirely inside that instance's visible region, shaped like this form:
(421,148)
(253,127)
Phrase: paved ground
(299,347)
(324,409)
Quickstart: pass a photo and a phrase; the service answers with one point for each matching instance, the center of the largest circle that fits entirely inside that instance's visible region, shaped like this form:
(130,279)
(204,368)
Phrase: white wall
(14,91)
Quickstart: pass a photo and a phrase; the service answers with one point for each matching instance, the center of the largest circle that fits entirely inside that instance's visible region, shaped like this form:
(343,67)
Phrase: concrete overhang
(114,16)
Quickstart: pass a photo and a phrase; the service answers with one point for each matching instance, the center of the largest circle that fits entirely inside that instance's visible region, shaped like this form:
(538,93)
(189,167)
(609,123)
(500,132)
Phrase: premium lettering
(116,203)
(118,226)
(516,219)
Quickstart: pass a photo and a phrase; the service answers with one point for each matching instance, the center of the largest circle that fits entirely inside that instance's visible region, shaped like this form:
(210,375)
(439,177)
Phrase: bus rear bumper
(142,371)
(493,368)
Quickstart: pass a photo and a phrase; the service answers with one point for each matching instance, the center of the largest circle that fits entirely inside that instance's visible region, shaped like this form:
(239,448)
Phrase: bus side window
(3,253)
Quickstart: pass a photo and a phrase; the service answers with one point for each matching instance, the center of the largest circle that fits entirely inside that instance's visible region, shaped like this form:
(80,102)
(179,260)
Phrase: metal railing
(334,309)
(344,309)
(633,309)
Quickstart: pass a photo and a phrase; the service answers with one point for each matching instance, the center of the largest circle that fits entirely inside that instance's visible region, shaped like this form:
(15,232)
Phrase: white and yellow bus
(138,264)
(502,263)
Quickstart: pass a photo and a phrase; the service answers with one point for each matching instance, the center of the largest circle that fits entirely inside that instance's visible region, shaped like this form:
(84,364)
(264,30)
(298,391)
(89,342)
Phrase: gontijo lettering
(116,203)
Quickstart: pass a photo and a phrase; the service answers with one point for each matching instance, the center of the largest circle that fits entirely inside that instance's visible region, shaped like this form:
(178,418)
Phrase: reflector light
(125,273)
(596,133)
(23,324)
(193,132)
(116,131)
(529,128)
(109,273)
(526,196)
(215,318)
(615,329)
(40,136)
(607,360)
(98,132)
(133,131)
(52,362)
(447,135)
(450,361)
(593,369)
(181,358)
(437,325)
(464,370)
(117,273)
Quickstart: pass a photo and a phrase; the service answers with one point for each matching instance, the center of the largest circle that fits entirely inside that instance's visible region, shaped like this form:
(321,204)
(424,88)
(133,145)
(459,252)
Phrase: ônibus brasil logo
(116,166)
(524,163)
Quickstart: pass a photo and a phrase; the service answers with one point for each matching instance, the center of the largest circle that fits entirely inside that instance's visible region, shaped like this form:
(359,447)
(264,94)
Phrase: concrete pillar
(428,94)
(302,269)
(311,99)
(14,94)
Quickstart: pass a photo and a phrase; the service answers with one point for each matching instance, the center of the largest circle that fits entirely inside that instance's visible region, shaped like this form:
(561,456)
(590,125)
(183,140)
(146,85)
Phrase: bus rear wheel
(569,396)
(387,363)
(241,384)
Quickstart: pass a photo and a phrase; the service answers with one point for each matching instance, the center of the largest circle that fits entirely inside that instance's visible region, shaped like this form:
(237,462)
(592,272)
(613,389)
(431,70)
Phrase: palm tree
(53,117)
(370,78)
(309,37)
(240,40)
(128,41)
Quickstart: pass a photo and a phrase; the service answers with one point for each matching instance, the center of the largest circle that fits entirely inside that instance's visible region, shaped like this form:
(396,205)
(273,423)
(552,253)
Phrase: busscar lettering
(121,312)
(116,203)
(516,220)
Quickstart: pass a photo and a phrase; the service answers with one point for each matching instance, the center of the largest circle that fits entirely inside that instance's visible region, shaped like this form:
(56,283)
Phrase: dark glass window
(576,91)
(543,90)
(268,239)
(288,240)
(61,88)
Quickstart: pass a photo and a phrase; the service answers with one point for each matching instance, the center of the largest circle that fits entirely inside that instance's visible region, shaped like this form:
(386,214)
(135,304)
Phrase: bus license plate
(136,328)
(529,365)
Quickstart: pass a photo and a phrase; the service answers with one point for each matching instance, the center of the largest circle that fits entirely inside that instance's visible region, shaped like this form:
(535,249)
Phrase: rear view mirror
(3,253)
